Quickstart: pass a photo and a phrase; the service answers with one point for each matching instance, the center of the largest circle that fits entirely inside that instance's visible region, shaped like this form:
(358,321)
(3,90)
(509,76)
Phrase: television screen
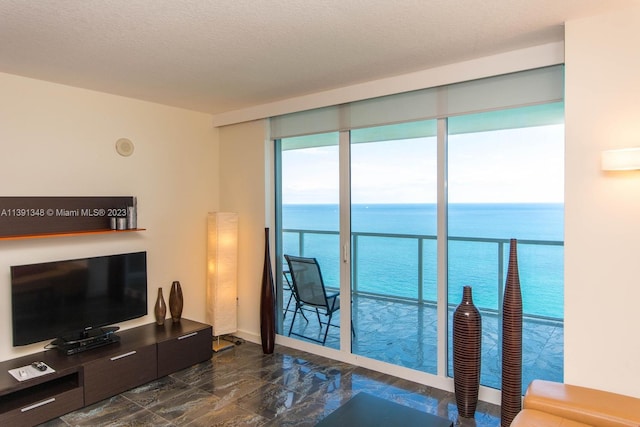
(64,299)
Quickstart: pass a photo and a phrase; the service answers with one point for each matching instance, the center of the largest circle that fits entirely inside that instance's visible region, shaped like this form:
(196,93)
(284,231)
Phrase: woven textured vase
(511,341)
(267,302)
(160,308)
(175,301)
(467,343)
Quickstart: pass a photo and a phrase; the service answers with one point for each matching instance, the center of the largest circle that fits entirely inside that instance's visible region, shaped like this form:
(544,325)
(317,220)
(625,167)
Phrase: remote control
(40,366)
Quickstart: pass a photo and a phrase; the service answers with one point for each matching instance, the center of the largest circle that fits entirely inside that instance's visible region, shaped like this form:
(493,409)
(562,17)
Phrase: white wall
(602,229)
(242,190)
(60,141)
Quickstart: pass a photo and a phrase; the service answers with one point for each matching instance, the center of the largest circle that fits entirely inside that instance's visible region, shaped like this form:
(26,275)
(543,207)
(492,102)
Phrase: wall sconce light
(623,159)
(222,275)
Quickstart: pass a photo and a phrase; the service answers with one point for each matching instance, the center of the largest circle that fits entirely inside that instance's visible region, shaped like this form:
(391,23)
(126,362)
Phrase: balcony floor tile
(404,333)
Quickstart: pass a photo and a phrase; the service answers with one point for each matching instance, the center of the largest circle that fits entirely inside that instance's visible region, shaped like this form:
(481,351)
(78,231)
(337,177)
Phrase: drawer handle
(37,405)
(192,334)
(131,353)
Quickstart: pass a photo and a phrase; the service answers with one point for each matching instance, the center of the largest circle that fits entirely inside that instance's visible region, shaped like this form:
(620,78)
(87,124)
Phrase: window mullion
(345,240)
(442,243)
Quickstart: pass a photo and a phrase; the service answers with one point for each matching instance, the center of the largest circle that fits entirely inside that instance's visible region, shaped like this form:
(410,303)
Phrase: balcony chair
(287,286)
(309,291)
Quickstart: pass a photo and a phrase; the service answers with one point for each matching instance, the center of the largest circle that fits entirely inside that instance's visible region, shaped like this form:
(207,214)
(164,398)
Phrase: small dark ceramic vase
(467,342)
(175,301)
(160,309)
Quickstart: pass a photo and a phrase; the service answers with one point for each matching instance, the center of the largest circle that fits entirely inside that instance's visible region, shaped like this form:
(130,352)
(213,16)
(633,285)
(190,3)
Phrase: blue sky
(524,165)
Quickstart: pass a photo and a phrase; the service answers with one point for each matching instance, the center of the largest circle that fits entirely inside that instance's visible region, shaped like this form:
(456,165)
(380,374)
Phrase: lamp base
(219,346)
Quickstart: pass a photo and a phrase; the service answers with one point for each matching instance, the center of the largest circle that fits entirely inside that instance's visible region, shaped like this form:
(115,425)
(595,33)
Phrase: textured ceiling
(216,56)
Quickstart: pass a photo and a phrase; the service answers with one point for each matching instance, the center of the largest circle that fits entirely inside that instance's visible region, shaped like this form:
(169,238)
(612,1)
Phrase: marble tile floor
(404,333)
(243,387)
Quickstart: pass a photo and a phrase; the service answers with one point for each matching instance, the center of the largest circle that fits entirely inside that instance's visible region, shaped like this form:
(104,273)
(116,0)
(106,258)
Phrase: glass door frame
(346,240)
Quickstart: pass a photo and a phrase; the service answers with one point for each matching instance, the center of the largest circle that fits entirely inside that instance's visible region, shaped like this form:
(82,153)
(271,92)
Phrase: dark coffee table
(365,410)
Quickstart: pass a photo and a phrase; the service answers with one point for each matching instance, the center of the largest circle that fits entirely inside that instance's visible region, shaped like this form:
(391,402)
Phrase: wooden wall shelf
(68,234)
(42,216)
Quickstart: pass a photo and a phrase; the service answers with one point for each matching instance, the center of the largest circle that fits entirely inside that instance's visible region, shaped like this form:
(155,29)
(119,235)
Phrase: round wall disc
(124,147)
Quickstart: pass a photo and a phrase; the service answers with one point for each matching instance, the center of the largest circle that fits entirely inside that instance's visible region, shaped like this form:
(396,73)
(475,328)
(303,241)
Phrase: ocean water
(390,265)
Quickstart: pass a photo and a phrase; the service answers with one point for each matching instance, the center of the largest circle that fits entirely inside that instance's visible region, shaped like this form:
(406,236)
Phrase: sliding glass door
(506,180)
(309,221)
(393,244)
(404,200)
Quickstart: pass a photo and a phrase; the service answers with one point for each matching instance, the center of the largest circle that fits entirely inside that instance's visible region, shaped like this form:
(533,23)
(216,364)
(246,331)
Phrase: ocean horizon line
(430,204)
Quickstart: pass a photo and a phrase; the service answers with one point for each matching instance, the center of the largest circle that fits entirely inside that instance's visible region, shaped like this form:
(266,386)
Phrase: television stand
(86,340)
(143,354)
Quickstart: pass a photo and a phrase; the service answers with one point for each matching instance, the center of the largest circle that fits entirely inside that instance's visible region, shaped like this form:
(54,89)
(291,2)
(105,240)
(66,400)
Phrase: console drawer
(43,409)
(112,375)
(184,351)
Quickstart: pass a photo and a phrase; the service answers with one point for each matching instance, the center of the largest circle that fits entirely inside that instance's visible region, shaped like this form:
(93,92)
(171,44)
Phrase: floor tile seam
(276,386)
(277,381)
(250,373)
(299,402)
(257,377)
(178,379)
(84,422)
(342,373)
(176,396)
(63,421)
(345,391)
(190,422)
(295,388)
(248,411)
(409,402)
(317,400)
(247,370)
(238,397)
(132,401)
(135,415)
(244,408)
(176,422)
(535,355)
(246,364)
(236,364)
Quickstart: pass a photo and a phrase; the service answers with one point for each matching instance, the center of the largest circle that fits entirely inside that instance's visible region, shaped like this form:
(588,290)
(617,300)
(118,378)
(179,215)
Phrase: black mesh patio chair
(309,291)
(287,286)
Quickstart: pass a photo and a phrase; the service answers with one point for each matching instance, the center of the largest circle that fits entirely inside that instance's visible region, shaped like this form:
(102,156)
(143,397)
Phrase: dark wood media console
(143,354)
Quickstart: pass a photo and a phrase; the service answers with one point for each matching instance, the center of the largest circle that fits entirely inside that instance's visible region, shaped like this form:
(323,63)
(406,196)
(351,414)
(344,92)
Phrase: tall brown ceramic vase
(160,309)
(511,341)
(267,302)
(175,301)
(467,342)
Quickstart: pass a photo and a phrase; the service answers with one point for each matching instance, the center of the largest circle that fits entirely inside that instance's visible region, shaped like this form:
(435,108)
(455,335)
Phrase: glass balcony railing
(397,274)
(324,246)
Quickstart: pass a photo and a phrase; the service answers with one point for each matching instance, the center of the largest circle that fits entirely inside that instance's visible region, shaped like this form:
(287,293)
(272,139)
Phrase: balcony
(402,329)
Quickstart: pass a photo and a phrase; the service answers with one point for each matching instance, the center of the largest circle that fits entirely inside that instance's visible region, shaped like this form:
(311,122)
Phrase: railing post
(301,243)
(500,276)
(420,270)
(500,294)
(354,264)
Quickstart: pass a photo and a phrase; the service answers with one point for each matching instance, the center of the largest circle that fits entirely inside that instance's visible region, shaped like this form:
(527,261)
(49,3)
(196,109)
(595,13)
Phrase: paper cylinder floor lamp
(222,275)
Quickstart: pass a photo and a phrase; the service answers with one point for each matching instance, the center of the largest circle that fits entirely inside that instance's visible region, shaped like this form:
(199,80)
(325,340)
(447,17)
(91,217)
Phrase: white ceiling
(216,56)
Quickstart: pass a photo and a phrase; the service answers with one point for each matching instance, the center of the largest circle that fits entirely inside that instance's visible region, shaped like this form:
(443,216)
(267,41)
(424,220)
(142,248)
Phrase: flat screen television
(67,299)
